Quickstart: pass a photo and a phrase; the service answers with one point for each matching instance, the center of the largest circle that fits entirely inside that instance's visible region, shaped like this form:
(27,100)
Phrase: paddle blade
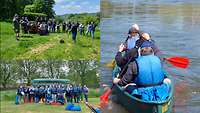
(111,64)
(181,62)
(104,98)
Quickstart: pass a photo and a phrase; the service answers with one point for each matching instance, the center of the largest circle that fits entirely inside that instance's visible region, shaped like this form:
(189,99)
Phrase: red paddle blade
(181,62)
(104,98)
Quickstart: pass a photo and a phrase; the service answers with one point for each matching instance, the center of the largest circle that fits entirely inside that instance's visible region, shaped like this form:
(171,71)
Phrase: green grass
(34,46)
(8,104)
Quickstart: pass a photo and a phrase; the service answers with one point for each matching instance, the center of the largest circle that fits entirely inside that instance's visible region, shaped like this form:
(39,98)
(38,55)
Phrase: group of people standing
(139,67)
(43,26)
(49,94)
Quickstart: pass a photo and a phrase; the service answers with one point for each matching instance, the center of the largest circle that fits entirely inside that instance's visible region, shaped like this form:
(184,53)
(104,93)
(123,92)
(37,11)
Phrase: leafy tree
(10,7)
(27,69)
(44,6)
(84,72)
(29,8)
(6,73)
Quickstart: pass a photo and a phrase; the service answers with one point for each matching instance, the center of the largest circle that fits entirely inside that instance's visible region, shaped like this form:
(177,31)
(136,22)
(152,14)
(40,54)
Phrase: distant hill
(68,15)
(82,17)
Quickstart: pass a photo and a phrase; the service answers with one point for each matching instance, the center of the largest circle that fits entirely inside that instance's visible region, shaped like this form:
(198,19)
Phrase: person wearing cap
(133,36)
(145,71)
(16,25)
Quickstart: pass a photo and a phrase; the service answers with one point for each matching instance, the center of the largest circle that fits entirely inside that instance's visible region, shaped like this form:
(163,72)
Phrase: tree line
(78,72)
(11,7)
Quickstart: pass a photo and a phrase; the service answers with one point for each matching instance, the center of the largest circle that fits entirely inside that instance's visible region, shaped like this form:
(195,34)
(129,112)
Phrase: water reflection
(174,24)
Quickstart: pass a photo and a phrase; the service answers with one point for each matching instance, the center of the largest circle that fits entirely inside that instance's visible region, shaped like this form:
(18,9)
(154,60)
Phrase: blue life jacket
(19,91)
(54,90)
(31,91)
(60,90)
(75,89)
(149,70)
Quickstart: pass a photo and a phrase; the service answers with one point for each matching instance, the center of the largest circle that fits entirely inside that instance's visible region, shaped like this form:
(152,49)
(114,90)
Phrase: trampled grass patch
(34,46)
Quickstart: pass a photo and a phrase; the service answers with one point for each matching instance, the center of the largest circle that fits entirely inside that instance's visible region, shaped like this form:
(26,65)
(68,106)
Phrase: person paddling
(145,72)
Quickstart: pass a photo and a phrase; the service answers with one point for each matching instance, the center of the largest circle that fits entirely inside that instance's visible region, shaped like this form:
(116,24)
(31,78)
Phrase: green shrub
(29,8)
(32,16)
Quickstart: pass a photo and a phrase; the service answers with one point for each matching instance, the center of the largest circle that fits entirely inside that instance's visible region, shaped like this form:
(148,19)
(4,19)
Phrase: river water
(173,24)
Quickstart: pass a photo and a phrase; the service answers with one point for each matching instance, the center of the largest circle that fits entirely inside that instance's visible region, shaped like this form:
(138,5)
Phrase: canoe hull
(135,105)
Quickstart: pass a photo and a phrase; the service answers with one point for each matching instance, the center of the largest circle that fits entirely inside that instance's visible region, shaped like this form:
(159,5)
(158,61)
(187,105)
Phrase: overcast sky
(76,6)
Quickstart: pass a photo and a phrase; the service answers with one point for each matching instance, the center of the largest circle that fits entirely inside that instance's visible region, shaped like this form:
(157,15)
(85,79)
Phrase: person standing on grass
(67,93)
(19,94)
(92,29)
(63,27)
(69,25)
(26,25)
(75,88)
(31,94)
(74,31)
(88,29)
(81,29)
(53,25)
(26,94)
(49,23)
(23,25)
(85,92)
(16,25)
(71,93)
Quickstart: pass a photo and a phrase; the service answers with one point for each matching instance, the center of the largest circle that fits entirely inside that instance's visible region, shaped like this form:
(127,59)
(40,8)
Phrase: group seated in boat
(142,75)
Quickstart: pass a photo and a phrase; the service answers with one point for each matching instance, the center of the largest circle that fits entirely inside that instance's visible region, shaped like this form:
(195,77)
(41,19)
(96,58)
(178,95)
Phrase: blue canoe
(136,105)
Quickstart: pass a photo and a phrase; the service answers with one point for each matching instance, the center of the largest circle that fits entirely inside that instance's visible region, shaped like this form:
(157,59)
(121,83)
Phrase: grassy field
(36,47)
(8,105)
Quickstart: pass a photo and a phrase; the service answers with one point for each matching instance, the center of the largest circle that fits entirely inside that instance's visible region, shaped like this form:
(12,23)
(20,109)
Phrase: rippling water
(173,24)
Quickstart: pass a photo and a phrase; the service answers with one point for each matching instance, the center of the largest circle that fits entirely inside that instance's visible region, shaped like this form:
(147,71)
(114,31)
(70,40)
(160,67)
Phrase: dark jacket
(129,75)
(131,54)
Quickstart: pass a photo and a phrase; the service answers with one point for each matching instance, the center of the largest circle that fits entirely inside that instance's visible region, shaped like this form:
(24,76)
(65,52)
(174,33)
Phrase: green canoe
(136,105)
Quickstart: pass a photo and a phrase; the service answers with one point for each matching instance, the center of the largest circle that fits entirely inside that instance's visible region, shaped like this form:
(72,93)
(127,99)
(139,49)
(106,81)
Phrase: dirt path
(41,48)
(38,50)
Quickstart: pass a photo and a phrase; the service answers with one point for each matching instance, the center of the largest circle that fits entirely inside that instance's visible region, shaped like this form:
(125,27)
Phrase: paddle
(104,96)
(91,108)
(181,62)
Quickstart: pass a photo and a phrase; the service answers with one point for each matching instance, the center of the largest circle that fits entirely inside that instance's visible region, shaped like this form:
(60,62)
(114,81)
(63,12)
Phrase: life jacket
(31,91)
(149,71)
(76,89)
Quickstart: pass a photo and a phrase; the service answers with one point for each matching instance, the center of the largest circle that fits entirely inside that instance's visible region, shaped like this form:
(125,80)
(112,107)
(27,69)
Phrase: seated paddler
(144,76)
